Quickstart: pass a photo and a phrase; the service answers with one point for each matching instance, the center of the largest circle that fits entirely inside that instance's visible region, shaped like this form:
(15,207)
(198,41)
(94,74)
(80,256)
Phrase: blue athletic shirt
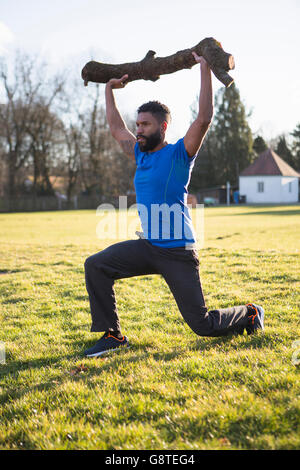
(161,181)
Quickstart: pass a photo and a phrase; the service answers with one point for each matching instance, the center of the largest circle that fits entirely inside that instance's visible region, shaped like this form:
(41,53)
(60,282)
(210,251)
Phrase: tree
(73,142)
(259,145)
(284,151)
(228,146)
(85,131)
(93,162)
(26,119)
(296,147)
(204,175)
(233,136)
(2,166)
(14,115)
(45,131)
(104,169)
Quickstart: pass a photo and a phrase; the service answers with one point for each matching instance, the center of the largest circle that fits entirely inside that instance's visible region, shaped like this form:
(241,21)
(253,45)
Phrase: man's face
(148,132)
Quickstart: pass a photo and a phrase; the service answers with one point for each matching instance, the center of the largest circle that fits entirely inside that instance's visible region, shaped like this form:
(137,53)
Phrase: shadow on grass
(12,271)
(267,212)
(111,362)
(13,368)
(254,341)
(15,300)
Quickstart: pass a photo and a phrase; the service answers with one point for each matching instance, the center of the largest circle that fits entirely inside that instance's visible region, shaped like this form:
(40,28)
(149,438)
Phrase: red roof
(269,163)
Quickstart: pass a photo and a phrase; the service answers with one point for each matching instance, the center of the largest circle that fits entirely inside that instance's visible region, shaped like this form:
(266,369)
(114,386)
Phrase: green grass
(171,389)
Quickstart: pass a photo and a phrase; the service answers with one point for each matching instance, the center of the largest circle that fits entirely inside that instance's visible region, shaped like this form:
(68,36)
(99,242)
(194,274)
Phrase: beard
(150,142)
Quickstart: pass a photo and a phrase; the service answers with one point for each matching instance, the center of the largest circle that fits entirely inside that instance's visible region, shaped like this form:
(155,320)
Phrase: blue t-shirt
(161,181)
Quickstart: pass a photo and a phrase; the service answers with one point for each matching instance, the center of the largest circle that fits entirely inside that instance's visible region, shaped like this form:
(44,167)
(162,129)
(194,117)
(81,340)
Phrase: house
(269,179)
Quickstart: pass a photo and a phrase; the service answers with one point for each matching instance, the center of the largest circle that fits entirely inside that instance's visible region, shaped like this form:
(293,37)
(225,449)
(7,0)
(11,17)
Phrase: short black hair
(159,110)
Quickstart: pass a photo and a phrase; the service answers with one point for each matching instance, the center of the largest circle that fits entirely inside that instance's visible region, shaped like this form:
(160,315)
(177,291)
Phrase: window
(260,187)
(290,187)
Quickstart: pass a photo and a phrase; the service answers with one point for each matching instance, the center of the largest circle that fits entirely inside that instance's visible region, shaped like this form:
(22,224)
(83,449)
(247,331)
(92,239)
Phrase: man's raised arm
(196,133)
(117,126)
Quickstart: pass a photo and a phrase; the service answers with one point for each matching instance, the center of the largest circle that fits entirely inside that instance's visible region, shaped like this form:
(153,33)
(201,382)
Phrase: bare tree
(93,162)
(46,137)
(26,119)
(73,141)
(14,114)
(79,160)
(50,127)
(94,128)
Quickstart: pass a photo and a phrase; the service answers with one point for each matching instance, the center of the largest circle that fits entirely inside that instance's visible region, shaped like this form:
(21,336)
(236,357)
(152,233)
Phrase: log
(151,67)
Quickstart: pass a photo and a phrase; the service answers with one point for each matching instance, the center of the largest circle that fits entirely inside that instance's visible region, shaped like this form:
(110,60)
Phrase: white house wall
(276,189)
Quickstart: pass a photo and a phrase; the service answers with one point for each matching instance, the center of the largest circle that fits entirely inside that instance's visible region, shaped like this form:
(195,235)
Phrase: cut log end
(223,76)
(231,63)
(228,82)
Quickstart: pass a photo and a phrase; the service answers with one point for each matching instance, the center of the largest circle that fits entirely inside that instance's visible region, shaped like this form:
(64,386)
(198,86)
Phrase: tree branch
(151,67)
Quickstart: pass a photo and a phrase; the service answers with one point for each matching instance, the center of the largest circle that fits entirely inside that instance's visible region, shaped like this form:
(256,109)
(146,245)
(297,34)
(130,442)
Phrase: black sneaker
(256,318)
(106,344)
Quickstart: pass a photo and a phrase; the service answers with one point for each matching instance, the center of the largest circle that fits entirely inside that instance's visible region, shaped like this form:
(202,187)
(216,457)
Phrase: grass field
(171,389)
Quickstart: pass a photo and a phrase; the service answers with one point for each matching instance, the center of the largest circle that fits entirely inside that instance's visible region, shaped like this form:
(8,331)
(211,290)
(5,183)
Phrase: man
(161,180)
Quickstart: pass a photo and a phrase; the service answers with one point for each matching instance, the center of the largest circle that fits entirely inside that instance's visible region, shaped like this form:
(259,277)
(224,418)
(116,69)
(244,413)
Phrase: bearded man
(166,247)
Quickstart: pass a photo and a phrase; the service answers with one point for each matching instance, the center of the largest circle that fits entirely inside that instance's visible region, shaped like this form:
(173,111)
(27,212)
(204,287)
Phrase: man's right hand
(118,82)
(117,126)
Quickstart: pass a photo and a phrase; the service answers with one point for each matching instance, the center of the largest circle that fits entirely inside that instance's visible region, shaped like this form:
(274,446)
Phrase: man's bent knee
(89,262)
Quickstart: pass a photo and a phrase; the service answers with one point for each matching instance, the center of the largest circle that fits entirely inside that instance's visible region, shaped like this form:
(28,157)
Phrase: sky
(262,35)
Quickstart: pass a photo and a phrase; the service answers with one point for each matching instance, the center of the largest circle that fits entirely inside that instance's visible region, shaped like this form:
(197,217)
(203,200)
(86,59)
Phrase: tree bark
(151,67)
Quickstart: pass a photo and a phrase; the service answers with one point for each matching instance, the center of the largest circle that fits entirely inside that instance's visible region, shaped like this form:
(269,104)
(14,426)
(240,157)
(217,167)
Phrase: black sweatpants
(180,269)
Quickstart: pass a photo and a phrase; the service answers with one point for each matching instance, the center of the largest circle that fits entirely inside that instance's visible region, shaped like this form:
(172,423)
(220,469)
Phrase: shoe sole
(107,351)
(261,315)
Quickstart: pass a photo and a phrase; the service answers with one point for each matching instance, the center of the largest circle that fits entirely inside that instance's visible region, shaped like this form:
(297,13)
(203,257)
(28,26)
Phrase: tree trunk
(151,67)
(12,174)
